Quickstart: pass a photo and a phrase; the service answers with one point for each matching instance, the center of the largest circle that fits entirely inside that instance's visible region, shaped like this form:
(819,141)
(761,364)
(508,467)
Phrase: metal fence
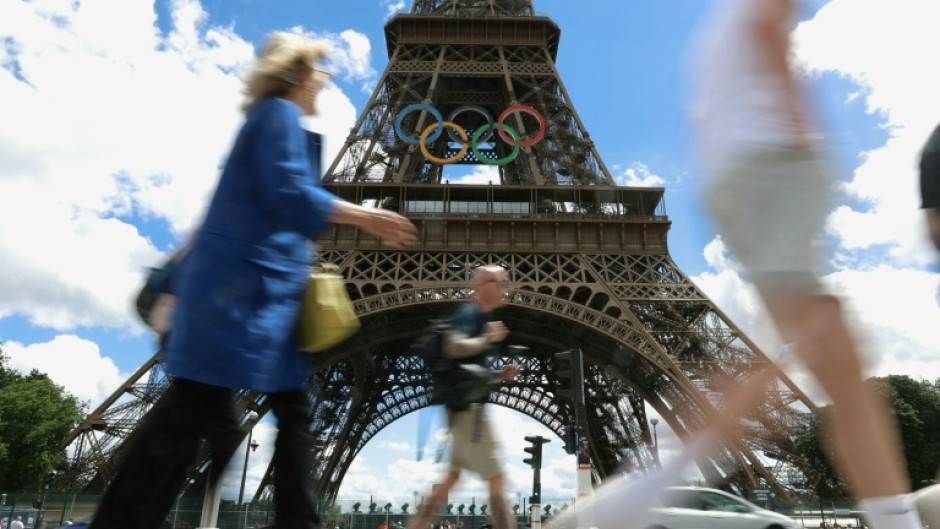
(373,512)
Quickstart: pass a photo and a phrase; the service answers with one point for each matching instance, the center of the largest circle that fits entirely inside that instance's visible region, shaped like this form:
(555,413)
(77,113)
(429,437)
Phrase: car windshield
(681,499)
(720,502)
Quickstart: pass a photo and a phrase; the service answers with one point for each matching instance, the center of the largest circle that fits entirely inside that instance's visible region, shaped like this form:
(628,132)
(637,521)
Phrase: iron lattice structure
(589,261)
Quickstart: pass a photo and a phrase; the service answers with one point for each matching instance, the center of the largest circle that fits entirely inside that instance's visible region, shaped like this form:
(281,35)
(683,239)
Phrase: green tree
(7,375)
(916,408)
(916,405)
(35,415)
(816,453)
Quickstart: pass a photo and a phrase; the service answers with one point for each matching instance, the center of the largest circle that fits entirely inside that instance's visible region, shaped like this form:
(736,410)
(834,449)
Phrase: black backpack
(453,384)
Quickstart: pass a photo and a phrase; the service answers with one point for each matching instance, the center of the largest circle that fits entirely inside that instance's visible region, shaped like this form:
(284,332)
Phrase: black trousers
(153,468)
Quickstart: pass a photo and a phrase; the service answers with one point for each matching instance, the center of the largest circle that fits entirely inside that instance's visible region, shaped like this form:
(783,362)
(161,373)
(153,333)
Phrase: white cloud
(730,291)
(639,175)
(394,6)
(72,362)
(374,473)
(106,122)
(357,50)
(892,311)
(335,117)
(882,47)
(349,54)
(397,446)
(481,174)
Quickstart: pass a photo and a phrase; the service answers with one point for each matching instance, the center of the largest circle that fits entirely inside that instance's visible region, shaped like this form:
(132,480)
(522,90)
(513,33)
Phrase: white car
(698,508)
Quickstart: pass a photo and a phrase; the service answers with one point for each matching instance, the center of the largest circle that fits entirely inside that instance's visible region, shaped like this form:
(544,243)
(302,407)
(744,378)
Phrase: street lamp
(176,513)
(654,421)
(249,448)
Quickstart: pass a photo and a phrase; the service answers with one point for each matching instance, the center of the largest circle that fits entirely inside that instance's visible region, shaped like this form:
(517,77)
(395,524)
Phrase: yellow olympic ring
(422,143)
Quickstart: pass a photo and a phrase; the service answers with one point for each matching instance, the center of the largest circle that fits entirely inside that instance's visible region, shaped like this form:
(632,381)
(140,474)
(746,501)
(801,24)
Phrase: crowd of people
(238,287)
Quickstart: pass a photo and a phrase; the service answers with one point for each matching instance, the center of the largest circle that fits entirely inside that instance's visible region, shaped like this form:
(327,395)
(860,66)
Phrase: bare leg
(432,504)
(498,506)
(865,438)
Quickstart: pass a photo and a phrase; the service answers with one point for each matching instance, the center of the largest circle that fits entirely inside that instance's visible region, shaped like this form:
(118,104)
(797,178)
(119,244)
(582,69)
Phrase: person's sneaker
(927,501)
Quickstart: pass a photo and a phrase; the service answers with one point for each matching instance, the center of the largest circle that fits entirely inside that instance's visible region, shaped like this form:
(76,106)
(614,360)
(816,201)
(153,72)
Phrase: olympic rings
(483,134)
(411,108)
(423,143)
(470,108)
(499,161)
(528,110)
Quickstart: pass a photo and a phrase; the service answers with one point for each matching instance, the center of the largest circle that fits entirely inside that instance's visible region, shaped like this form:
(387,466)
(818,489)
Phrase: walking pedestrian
(768,191)
(474,444)
(238,293)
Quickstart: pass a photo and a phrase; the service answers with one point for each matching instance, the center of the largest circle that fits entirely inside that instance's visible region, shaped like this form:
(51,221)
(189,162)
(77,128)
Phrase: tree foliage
(822,478)
(35,416)
(916,408)
(916,405)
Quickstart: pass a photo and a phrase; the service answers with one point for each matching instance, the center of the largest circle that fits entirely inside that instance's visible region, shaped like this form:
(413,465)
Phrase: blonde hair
(285,61)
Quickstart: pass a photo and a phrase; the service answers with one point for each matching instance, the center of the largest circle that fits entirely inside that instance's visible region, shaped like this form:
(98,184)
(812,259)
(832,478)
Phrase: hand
(391,228)
(508,372)
(495,331)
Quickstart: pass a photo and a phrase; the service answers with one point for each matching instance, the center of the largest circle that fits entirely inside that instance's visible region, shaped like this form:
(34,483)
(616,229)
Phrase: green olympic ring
(498,161)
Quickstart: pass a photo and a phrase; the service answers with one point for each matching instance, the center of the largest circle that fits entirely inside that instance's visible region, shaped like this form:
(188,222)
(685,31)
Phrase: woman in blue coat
(238,293)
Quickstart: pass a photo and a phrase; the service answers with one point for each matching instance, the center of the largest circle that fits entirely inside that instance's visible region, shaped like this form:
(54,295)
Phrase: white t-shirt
(16,524)
(737,104)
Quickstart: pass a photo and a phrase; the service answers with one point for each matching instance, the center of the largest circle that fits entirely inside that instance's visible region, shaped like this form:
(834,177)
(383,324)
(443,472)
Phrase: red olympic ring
(528,110)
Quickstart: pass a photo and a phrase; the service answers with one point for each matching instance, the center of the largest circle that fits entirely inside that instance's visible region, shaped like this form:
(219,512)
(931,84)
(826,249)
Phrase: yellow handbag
(326,313)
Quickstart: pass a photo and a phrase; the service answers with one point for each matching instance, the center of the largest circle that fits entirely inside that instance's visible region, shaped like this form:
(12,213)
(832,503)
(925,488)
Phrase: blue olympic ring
(411,108)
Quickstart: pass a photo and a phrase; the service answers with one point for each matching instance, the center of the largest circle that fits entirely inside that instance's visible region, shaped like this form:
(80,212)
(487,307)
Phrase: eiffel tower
(588,259)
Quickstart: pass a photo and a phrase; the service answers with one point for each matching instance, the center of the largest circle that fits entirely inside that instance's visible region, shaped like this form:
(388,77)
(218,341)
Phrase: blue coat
(240,285)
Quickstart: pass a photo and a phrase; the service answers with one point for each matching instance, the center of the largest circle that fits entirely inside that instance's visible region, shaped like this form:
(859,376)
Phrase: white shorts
(769,205)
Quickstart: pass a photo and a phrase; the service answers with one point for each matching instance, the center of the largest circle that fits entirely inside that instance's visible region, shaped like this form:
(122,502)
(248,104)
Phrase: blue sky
(116,114)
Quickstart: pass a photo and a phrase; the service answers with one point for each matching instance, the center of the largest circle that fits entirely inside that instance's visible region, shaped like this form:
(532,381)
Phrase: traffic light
(535,461)
(570,371)
(47,481)
(570,439)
